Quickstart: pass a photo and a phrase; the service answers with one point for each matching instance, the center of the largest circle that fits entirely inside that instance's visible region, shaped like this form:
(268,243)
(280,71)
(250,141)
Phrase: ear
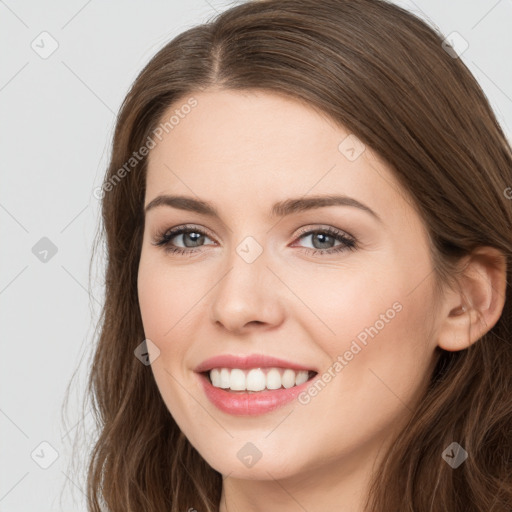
(475,308)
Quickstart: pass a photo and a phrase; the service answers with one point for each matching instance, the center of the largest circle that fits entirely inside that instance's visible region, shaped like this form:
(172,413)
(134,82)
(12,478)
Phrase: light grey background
(58,116)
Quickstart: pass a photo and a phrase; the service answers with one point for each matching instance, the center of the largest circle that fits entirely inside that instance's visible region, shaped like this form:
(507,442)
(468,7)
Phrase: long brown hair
(384,74)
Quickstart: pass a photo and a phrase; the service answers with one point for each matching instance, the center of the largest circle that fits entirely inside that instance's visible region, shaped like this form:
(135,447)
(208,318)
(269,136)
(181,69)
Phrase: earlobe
(476,307)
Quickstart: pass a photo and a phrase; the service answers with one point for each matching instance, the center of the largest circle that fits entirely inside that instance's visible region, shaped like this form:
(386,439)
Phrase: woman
(309,236)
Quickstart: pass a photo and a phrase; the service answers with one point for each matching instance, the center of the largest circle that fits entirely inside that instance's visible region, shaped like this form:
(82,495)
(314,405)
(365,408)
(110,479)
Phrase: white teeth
(288,378)
(237,380)
(273,379)
(215,377)
(257,379)
(224,378)
(301,378)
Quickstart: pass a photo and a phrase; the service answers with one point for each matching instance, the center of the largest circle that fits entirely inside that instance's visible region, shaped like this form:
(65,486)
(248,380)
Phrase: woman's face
(353,304)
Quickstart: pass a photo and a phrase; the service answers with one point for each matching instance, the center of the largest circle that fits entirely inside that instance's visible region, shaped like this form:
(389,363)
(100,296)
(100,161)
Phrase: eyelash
(164,238)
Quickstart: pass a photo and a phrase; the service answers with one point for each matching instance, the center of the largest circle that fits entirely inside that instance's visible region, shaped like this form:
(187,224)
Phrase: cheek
(382,299)
(375,319)
(342,302)
(166,296)
(385,351)
(379,364)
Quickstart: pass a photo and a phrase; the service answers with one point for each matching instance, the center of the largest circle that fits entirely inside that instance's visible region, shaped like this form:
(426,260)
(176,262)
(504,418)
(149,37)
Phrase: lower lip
(249,404)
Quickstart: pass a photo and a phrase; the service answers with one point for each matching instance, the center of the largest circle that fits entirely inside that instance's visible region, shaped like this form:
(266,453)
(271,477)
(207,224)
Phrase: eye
(193,238)
(323,239)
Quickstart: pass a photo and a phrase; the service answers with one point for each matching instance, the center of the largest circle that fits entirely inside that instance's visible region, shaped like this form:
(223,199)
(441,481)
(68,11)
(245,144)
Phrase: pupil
(195,236)
(325,237)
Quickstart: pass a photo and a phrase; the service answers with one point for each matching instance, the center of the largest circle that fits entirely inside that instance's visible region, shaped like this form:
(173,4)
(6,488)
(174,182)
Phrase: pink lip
(249,404)
(249,361)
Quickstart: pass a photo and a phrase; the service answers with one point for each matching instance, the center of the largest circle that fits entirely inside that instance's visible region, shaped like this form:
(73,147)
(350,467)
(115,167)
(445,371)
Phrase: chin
(240,465)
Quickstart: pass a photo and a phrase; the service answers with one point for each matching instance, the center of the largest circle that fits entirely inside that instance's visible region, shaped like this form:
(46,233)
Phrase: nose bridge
(246,292)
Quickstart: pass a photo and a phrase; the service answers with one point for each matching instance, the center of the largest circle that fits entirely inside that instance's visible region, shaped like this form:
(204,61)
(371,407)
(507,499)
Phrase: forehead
(250,147)
(251,125)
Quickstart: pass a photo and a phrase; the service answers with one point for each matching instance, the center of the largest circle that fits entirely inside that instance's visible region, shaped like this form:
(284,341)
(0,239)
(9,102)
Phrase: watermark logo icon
(351,147)
(249,454)
(454,45)
(44,455)
(454,455)
(44,250)
(44,45)
(147,352)
(249,249)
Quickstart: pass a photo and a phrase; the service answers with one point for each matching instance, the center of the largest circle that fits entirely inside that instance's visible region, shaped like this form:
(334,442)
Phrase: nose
(248,295)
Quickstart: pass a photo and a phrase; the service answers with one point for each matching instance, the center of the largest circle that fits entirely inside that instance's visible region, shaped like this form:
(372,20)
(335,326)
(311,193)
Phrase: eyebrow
(279,209)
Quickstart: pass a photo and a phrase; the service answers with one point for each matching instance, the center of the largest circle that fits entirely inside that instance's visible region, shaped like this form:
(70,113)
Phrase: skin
(244,151)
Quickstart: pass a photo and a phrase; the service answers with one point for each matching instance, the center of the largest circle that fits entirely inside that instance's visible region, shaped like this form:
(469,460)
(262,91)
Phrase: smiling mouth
(254,380)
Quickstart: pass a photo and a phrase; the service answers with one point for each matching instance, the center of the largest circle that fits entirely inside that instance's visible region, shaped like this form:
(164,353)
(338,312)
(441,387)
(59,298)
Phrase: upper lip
(248,361)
